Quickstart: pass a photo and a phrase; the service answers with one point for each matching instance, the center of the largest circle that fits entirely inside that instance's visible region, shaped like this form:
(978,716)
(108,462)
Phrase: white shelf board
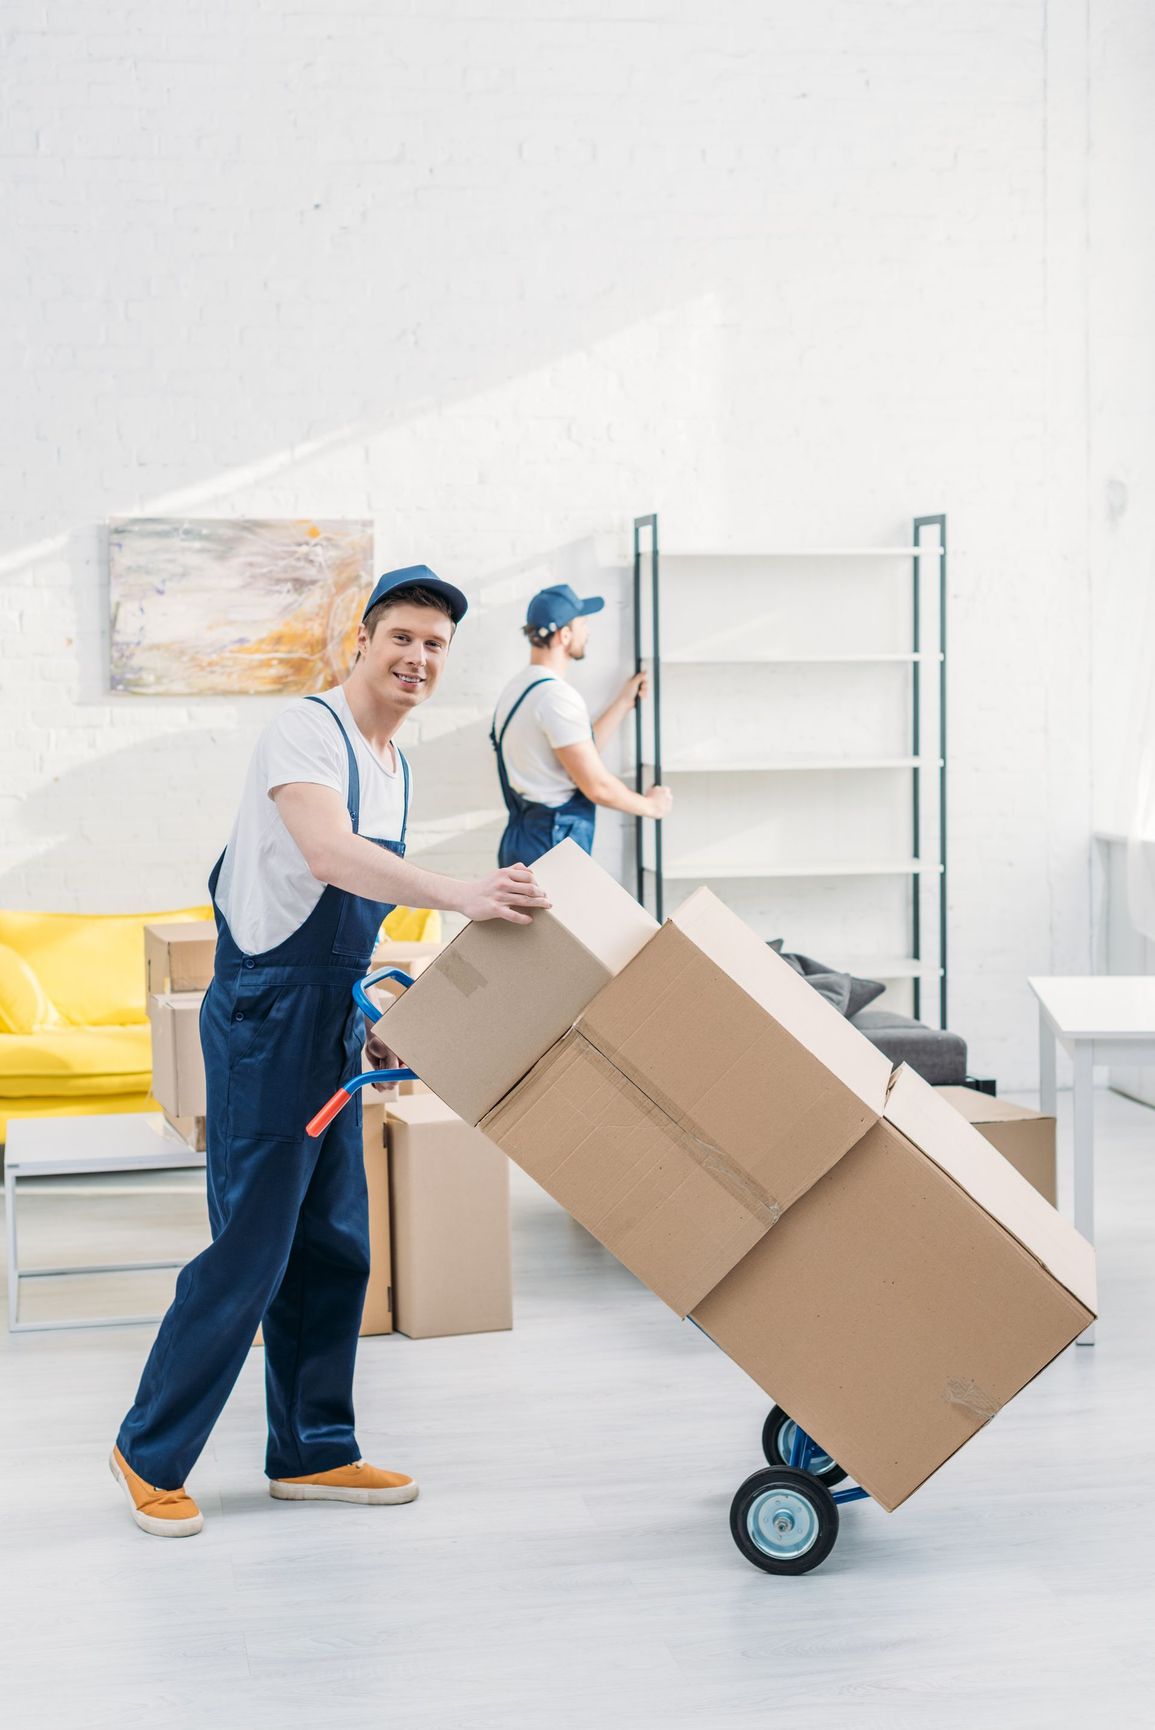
(785,766)
(676,556)
(814,658)
(904,967)
(688,872)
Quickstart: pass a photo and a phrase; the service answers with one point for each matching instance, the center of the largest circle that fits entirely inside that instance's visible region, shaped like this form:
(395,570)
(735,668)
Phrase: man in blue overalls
(313,865)
(548,751)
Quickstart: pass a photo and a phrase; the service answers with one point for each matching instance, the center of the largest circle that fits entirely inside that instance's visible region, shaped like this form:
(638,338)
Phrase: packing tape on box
(971,1398)
(758,1202)
(460,973)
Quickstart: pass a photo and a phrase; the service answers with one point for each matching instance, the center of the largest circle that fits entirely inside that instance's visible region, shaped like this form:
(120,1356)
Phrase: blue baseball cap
(552,608)
(411,577)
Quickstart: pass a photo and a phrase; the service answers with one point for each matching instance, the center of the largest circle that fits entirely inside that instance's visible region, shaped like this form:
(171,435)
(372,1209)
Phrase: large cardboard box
(450,1209)
(178,1068)
(178,955)
(499,995)
(702,1091)
(1025,1137)
(907,1297)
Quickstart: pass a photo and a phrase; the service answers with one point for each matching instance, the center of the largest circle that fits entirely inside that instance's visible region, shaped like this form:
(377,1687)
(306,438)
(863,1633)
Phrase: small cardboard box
(178,956)
(499,995)
(190,1129)
(449,1190)
(1025,1137)
(178,1068)
(907,1297)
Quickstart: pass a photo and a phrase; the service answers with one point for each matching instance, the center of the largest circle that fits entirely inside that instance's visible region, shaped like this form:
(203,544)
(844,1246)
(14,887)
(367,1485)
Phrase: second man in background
(548,750)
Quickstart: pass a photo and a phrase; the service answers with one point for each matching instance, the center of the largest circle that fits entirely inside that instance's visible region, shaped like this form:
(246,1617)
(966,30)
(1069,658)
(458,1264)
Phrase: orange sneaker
(163,1513)
(359,1482)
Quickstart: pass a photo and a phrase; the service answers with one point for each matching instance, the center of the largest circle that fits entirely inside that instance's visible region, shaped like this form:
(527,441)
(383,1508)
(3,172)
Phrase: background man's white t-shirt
(266,891)
(552,716)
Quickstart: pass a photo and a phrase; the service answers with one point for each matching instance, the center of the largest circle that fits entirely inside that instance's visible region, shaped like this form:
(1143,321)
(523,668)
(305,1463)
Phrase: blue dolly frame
(784,1518)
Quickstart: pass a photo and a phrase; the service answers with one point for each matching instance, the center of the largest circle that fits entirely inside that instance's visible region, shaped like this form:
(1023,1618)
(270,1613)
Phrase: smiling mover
(314,863)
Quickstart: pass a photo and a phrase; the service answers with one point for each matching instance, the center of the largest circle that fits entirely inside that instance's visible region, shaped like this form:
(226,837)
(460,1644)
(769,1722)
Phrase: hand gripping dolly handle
(345,1093)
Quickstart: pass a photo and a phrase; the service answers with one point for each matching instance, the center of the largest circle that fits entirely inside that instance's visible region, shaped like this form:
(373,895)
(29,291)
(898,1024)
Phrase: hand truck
(784,1518)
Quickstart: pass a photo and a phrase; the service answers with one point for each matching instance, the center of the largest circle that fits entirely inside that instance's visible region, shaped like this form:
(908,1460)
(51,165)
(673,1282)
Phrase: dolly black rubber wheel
(784,1521)
(777,1437)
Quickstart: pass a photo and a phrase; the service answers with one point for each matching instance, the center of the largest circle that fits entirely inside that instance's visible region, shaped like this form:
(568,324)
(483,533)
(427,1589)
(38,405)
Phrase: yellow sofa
(74,1035)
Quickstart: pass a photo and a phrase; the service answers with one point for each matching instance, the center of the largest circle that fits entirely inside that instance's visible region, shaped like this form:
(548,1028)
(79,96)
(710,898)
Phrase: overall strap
(405,810)
(354,796)
(497,738)
(512,799)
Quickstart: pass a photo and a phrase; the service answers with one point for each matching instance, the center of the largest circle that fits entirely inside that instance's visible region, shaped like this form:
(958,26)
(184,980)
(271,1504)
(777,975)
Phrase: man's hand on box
(380,1057)
(513,893)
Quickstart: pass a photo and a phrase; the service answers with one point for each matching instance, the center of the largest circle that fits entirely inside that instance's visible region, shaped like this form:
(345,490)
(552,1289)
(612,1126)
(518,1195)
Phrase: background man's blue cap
(550,609)
(418,576)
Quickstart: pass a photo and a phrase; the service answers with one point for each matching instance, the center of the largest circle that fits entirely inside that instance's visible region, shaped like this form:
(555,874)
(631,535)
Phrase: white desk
(1100,1018)
(68,1146)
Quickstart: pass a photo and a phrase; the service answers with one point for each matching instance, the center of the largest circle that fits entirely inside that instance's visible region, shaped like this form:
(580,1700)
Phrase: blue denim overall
(289,1215)
(533,829)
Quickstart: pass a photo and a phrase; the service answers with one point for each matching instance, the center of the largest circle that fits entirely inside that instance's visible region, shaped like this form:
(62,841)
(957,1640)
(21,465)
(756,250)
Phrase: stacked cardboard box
(840,1231)
(178,965)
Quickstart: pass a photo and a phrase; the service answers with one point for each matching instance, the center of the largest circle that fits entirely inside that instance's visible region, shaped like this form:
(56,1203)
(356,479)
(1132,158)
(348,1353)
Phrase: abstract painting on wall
(206,607)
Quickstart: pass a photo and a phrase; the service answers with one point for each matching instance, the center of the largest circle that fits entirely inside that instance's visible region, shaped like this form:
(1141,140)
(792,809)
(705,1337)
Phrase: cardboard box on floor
(190,1130)
(449,1198)
(743,1149)
(178,955)
(178,1066)
(1025,1137)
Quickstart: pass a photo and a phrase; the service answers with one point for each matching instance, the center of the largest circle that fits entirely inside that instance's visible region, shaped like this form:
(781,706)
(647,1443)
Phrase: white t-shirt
(266,891)
(554,715)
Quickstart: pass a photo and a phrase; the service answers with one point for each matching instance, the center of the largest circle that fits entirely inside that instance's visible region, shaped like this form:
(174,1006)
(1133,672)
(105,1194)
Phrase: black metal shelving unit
(928,542)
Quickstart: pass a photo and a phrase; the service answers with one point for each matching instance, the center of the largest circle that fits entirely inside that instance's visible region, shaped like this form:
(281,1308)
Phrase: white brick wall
(1122,367)
(501,275)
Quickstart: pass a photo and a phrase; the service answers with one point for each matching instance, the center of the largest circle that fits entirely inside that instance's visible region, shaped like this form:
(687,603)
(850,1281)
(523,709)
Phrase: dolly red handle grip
(328,1112)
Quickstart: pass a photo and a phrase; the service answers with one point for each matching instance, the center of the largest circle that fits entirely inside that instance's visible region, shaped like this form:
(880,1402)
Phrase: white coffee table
(1098,1019)
(68,1146)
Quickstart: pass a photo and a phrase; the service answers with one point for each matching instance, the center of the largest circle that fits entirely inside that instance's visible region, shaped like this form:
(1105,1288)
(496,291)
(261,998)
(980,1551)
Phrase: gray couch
(938,1056)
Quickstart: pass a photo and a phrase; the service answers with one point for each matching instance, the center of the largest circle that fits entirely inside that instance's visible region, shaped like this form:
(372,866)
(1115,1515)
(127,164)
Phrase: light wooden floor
(569,1563)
